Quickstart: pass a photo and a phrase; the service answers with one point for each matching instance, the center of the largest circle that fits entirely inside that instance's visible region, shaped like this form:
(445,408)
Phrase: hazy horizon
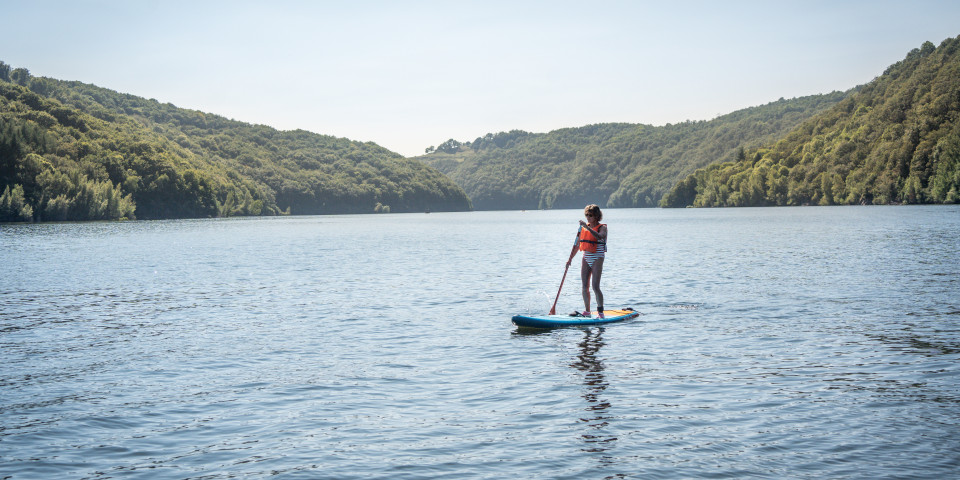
(410,75)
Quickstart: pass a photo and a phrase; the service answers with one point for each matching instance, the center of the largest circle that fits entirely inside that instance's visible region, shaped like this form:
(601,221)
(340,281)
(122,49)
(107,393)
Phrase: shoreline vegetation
(71,151)
(894,140)
(74,151)
(612,164)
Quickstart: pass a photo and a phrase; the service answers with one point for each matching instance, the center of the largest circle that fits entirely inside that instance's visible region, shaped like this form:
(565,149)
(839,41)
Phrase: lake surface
(779,342)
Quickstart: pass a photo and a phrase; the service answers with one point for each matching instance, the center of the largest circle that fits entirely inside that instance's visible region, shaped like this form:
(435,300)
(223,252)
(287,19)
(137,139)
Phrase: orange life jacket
(588,242)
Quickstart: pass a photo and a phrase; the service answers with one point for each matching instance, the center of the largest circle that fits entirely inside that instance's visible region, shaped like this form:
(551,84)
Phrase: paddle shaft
(553,309)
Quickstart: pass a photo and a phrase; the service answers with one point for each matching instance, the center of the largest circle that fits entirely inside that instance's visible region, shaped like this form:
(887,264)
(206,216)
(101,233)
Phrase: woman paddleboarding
(593,243)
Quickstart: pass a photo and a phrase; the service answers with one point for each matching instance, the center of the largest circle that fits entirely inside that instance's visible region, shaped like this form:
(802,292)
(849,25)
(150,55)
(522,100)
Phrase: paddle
(553,309)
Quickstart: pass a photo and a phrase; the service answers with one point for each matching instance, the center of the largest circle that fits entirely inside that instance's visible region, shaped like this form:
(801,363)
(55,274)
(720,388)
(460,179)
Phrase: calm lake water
(779,342)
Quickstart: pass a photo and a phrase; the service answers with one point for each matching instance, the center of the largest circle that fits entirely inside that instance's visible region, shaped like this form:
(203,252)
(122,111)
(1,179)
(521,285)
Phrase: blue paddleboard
(554,321)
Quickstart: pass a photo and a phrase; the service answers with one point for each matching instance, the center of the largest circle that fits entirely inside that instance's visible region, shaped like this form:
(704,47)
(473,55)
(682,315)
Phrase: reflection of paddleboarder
(593,243)
(598,439)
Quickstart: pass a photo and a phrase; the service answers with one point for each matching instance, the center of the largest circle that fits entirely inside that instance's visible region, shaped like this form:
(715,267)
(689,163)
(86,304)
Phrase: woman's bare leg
(597,272)
(585,280)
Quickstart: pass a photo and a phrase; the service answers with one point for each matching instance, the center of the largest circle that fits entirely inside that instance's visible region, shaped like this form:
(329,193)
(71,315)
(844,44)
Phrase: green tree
(13,205)
(450,146)
(945,185)
(20,76)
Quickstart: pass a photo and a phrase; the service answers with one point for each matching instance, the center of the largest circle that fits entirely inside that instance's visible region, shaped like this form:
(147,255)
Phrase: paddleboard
(554,321)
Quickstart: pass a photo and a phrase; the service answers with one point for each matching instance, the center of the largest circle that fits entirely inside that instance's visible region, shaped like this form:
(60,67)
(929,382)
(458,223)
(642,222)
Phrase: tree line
(612,164)
(74,151)
(896,140)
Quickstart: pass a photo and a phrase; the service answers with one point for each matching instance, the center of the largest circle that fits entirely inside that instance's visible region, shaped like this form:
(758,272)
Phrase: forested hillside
(73,151)
(897,140)
(612,164)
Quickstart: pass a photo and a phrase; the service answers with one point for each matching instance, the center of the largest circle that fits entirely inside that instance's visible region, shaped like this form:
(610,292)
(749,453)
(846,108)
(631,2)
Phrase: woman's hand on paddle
(583,224)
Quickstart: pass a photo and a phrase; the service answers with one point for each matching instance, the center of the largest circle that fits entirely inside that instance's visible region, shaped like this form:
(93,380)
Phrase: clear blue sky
(411,74)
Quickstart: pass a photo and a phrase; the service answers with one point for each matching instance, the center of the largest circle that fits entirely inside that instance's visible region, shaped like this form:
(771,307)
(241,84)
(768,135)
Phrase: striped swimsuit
(591,257)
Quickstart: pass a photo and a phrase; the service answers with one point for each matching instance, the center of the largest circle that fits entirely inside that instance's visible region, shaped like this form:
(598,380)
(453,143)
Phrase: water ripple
(770,346)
